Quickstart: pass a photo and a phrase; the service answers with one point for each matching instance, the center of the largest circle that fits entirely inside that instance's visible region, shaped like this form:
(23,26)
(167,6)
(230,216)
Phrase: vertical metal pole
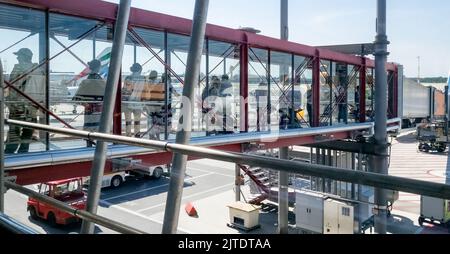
(353,185)
(2,143)
(380,163)
(237,172)
(243,89)
(185,122)
(237,175)
(284,17)
(362,91)
(168,97)
(316,90)
(98,164)
(283,177)
(47,78)
(283,196)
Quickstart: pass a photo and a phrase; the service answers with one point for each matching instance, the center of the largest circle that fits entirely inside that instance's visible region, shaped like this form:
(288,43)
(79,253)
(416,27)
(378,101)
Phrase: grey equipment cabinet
(309,212)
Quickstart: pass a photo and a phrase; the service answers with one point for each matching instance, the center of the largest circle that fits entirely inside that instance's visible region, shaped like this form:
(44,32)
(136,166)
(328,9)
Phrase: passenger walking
(132,94)
(91,92)
(19,138)
(154,96)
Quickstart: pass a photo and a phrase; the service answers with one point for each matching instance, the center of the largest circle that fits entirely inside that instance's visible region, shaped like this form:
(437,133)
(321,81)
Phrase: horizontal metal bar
(15,226)
(394,120)
(116,226)
(347,146)
(364,178)
(55,157)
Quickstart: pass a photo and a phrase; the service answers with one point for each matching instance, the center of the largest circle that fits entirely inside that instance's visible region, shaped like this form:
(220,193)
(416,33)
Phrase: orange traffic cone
(190,210)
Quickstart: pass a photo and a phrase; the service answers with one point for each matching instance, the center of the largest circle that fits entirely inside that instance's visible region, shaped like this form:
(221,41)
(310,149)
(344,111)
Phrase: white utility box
(244,216)
(339,217)
(318,213)
(309,212)
(435,210)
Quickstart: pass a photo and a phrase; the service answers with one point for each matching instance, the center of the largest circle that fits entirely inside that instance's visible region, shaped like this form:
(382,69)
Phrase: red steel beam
(101,10)
(316,89)
(362,91)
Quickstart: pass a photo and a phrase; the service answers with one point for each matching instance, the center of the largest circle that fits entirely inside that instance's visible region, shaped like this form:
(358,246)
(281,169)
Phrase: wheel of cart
(421,220)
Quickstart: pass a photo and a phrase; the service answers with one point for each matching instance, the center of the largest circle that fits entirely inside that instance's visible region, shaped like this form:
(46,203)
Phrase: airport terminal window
(178,46)
(302,93)
(339,86)
(353,94)
(22,51)
(258,95)
(370,94)
(78,76)
(221,98)
(325,93)
(391,86)
(280,90)
(143,86)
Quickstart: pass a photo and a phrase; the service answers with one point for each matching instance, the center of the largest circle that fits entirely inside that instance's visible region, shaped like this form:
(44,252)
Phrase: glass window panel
(303,96)
(258,100)
(178,45)
(221,100)
(280,90)
(22,48)
(144,86)
(325,93)
(353,94)
(370,95)
(78,76)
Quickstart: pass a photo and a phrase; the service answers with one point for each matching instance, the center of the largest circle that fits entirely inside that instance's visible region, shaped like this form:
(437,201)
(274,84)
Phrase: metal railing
(364,178)
(13,226)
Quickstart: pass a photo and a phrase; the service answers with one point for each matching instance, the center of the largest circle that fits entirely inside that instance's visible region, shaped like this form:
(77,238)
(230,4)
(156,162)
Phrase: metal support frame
(379,164)
(362,91)
(283,199)
(185,122)
(238,179)
(283,177)
(47,77)
(365,178)
(2,142)
(316,89)
(120,32)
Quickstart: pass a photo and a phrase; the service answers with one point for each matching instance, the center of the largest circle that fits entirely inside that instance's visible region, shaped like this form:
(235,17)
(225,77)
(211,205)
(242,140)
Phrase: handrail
(57,157)
(364,178)
(15,226)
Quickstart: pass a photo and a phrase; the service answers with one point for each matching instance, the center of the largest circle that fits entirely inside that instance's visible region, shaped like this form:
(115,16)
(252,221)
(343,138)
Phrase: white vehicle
(154,172)
(110,180)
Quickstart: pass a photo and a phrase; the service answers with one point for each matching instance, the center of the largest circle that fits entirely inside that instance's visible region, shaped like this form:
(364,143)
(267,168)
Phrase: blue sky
(415,27)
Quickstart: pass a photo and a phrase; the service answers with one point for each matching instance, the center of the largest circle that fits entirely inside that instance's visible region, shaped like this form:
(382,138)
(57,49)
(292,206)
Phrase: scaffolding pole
(283,196)
(185,122)
(98,164)
(283,177)
(380,163)
(2,142)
